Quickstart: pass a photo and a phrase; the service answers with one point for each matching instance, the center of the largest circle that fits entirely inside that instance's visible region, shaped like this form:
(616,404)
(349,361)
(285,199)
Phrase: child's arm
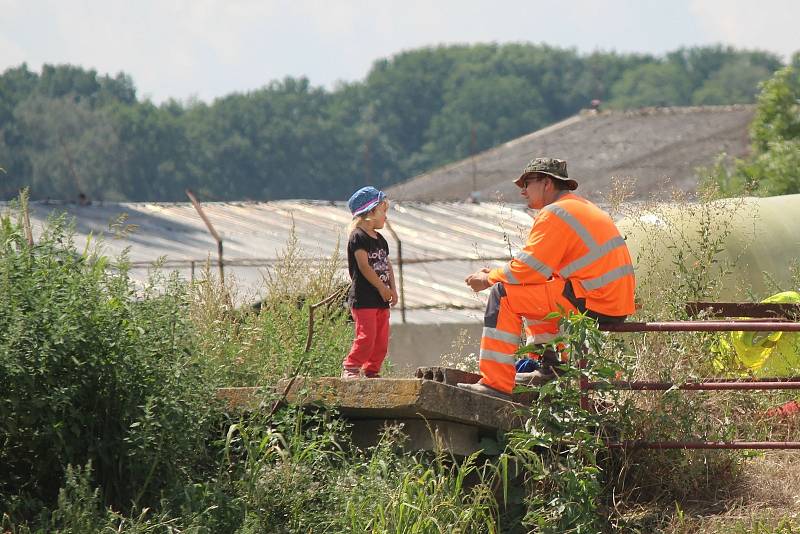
(372,277)
(392,286)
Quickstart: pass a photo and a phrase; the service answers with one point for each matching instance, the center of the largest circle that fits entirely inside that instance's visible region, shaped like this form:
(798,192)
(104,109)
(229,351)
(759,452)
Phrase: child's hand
(395,298)
(386,294)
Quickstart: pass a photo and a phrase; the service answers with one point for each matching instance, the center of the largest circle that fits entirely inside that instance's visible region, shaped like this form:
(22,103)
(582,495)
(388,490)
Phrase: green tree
(775,132)
(778,112)
(734,83)
(495,109)
(413,111)
(71,148)
(406,92)
(277,142)
(599,72)
(702,62)
(154,154)
(652,84)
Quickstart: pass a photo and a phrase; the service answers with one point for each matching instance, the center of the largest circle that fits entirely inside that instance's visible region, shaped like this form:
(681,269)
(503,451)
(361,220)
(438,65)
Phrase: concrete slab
(407,398)
(387,399)
(452,377)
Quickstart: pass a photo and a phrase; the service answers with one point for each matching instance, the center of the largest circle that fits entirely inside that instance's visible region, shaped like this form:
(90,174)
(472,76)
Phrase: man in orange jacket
(574,260)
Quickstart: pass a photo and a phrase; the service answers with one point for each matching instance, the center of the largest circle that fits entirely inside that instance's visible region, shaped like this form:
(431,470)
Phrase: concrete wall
(420,345)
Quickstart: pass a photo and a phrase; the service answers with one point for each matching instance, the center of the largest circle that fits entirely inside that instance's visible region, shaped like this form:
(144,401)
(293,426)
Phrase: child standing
(373,288)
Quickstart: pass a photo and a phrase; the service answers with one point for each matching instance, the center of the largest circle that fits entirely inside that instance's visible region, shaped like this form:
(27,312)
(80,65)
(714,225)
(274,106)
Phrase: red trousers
(371,340)
(502,326)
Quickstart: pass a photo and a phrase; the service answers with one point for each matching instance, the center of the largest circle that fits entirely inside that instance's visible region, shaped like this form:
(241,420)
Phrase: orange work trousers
(502,326)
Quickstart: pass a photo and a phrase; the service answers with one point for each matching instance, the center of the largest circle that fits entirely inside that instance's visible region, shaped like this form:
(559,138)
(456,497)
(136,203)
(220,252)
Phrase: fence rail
(779,321)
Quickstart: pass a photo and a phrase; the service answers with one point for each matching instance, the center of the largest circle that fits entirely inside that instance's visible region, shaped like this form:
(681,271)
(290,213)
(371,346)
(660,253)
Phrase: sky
(204,49)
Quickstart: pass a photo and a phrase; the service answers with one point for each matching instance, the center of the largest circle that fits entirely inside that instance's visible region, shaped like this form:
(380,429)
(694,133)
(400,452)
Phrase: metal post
(400,269)
(472,138)
(26,219)
(213,232)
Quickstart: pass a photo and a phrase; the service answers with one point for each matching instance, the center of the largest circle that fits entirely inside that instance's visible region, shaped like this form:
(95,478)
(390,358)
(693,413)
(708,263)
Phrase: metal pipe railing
(705,385)
(400,270)
(703,326)
(708,384)
(685,445)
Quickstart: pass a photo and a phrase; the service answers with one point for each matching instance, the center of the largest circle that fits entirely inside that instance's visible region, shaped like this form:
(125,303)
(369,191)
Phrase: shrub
(92,372)
(775,132)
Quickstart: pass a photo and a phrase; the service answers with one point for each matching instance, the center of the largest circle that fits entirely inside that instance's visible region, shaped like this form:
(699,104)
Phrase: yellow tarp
(769,353)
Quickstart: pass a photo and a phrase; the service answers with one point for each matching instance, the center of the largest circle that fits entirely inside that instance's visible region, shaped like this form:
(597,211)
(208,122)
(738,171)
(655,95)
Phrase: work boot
(538,377)
(544,374)
(485,390)
(350,373)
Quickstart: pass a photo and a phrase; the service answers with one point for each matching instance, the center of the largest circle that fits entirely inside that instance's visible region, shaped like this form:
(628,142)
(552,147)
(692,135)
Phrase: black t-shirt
(362,293)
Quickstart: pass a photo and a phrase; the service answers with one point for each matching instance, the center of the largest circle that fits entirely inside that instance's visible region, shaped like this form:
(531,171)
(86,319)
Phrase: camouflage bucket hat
(557,168)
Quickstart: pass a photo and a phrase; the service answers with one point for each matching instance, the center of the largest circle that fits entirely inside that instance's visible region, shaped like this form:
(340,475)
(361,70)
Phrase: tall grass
(259,346)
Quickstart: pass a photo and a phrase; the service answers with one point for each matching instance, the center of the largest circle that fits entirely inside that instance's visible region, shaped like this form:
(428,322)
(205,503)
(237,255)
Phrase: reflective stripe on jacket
(575,240)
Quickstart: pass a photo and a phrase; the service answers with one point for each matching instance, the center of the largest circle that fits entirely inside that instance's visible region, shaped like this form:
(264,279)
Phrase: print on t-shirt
(362,293)
(377,260)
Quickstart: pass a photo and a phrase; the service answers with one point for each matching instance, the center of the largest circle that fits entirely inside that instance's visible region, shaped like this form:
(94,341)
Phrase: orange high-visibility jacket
(575,240)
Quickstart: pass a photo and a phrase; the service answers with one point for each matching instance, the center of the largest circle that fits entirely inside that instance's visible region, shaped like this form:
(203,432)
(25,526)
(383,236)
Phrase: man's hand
(479,280)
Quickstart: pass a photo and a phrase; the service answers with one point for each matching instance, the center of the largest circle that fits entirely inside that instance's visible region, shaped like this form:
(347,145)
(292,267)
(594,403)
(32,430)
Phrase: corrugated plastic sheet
(442,242)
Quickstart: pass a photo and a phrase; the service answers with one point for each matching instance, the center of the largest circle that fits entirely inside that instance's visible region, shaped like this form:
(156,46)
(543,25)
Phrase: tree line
(68,132)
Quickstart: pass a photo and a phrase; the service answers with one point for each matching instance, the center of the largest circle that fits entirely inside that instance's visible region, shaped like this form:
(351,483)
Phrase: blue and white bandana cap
(364,200)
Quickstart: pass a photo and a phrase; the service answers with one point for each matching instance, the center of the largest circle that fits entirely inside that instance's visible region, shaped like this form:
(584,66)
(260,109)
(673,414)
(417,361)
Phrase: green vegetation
(67,130)
(108,421)
(772,169)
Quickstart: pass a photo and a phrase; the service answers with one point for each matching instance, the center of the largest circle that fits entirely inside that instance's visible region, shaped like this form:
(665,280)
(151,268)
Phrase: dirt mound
(660,148)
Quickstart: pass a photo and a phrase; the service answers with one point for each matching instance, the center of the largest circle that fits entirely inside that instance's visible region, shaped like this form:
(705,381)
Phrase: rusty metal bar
(702,326)
(744,309)
(770,324)
(703,444)
(706,385)
(309,339)
(213,232)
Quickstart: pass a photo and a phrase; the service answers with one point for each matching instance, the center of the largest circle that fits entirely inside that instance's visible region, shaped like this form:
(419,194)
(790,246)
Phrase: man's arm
(534,264)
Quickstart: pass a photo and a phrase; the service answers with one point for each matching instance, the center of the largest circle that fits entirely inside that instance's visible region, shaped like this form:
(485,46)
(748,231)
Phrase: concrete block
(447,375)
(406,398)
(428,435)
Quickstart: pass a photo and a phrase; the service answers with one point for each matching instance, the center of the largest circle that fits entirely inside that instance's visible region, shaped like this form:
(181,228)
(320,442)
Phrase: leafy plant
(91,372)
(775,133)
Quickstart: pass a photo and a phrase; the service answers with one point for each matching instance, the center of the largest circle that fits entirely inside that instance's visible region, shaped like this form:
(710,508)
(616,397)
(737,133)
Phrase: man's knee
(497,292)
